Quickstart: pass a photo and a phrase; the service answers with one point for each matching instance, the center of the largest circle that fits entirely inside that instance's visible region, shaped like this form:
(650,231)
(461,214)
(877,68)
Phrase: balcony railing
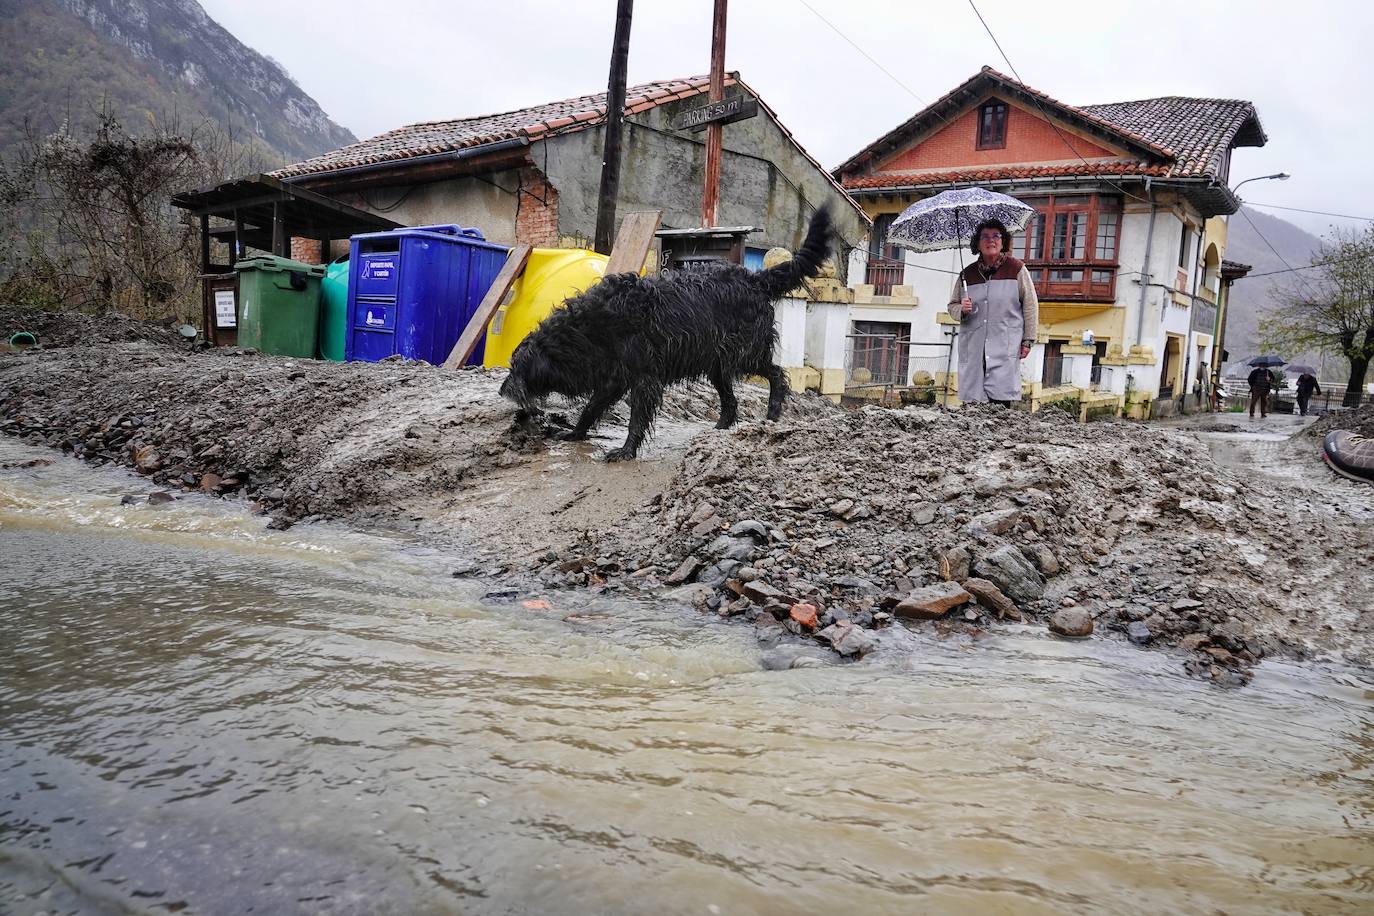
(885,273)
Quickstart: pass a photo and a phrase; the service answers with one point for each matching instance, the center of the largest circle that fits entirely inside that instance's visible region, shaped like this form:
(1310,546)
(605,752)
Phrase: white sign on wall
(224,309)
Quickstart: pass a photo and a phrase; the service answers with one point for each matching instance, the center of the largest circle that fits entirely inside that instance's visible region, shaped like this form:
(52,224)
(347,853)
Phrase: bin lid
(453,234)
(271,262)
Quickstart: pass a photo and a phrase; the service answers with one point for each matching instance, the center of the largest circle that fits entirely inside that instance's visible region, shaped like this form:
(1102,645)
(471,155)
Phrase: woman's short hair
(990,224)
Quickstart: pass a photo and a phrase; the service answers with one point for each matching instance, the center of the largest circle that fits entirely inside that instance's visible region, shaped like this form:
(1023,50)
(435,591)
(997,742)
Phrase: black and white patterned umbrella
(947,219)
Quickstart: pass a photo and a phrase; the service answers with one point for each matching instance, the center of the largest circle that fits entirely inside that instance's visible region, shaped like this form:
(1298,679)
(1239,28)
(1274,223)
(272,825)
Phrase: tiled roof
(533,123)
(1198,132)
(1169,137)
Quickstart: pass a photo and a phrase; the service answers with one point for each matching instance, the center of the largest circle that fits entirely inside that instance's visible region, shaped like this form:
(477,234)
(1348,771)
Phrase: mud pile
(1359,421)
(869,515)
(826,524)
(74,329)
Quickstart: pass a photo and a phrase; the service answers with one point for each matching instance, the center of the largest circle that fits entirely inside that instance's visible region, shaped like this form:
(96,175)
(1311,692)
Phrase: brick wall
(1029,139)
(536,213)
(306,251)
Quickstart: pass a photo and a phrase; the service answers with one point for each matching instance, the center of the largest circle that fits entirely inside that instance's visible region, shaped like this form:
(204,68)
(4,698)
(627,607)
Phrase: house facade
(1126,245)
(532,175)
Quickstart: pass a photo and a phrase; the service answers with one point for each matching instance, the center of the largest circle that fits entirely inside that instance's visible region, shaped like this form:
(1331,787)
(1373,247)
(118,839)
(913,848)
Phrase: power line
(1044,114)
(1282,259)
(863,52)
(1317,212)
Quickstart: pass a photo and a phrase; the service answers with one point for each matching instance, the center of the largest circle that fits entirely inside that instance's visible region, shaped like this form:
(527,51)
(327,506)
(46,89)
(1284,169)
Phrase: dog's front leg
(644,403)
(601,401)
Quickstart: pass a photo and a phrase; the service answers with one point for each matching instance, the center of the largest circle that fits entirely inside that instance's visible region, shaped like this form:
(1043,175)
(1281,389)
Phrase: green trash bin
(279,305)
(334,310)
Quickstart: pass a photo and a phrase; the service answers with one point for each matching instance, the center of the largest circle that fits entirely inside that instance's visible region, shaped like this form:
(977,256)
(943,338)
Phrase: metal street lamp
(1281,176)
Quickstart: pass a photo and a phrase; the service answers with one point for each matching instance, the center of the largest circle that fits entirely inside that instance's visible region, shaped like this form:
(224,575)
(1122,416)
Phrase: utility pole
(711,193)
(615,116)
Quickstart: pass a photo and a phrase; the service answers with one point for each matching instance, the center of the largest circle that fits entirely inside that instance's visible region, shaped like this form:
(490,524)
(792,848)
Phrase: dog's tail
(806,263)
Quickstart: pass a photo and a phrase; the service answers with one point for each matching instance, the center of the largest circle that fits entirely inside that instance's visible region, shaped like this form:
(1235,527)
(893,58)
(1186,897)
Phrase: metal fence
(899,369)
(884,273)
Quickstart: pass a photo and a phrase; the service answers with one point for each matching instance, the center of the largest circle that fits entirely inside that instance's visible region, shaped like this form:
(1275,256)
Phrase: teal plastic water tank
(334,310)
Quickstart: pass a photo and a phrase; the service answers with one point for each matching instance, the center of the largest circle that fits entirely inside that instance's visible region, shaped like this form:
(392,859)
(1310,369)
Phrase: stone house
(532,175)
(1126,246)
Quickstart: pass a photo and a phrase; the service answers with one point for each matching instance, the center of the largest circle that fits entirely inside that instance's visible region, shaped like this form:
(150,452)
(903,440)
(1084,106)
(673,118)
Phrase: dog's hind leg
(777,389)
(644,403)
(601,401)
(725,387)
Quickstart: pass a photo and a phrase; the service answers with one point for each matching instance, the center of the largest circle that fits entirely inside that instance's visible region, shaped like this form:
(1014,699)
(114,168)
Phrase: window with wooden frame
(992,125)
(1070,246)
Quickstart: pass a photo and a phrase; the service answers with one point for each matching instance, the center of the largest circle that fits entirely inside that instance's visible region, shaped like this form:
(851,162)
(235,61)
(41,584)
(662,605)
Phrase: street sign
(726,111)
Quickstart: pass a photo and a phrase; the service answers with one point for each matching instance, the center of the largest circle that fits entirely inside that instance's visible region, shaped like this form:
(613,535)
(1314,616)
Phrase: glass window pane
(1060,246)
(1106,236)
(1102,277)
(1080,235)
(1066,276)
(1080,200)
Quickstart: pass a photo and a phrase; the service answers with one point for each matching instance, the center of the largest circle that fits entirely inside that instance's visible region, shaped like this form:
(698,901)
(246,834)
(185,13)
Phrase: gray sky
(1307,67)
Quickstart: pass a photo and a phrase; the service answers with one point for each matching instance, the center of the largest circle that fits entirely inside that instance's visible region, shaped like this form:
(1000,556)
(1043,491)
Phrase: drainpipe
(1145,272)
(1188,335)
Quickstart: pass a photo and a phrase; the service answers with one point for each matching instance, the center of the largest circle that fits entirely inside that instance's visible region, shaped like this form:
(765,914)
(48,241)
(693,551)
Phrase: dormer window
(992,125)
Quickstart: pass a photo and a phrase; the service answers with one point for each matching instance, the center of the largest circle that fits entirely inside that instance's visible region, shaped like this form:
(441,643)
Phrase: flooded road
(199,715)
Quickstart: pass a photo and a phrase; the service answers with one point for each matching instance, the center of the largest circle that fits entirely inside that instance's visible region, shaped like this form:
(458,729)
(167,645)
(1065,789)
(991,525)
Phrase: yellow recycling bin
(551,276)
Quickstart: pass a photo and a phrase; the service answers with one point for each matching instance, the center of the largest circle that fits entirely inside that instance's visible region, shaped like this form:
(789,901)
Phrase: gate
(897,369)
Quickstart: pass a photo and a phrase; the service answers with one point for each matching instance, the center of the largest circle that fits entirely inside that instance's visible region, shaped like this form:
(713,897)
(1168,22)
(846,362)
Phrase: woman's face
(989,244)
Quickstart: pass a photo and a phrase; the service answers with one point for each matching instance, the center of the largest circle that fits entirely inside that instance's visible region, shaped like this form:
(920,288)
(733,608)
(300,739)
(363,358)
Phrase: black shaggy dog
(636,336)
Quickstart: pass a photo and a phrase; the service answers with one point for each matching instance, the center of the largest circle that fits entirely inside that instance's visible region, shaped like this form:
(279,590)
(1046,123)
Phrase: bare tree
(87,222)
(1331,309)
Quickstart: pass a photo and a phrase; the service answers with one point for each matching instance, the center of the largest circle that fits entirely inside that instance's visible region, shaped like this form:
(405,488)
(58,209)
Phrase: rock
(1192,642)
(932,602)
(716,575)
(754,529)
(991,597)
(684,572)
(210,482)
(954,564)
(804,615)
(997,521)
(847,639)
(501,594)
(1186,604)
(924,514)
(129,501)
(1008,569)
(147,460)
(1138,633)
(701,513)
(1072,622)
(761,593)
(160,498)
(855,583)
(838,509)
(1044,559)
(693,594)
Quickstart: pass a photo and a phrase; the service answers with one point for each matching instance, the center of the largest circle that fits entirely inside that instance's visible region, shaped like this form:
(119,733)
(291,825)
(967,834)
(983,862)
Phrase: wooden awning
(266,213)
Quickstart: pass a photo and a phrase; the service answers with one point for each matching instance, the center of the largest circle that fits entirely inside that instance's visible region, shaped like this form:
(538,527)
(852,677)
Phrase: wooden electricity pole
(710,195)
(615,116)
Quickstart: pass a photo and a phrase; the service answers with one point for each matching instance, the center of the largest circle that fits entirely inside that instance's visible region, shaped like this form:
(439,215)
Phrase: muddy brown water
(201,715)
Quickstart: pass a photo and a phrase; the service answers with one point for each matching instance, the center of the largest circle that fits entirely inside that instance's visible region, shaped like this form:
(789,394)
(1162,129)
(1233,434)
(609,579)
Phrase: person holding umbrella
(995,302)
(1261,382)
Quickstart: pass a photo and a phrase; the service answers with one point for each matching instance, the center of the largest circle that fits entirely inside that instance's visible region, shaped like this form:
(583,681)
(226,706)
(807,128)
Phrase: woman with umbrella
(994,298)
(995,303)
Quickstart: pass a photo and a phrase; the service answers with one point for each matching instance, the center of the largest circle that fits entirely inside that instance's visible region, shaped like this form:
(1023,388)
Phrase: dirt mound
(1359,421)
(853,512)
(73,329)
(855,517)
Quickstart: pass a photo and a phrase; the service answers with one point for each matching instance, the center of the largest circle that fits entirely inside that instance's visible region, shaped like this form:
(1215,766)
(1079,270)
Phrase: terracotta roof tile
(537,121)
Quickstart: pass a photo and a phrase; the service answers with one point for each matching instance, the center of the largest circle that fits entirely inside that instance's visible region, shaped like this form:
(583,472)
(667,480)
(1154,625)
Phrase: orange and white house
(1125,247)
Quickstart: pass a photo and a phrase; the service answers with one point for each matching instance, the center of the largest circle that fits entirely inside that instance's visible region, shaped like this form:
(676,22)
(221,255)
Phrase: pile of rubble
(74,329)
(830,525)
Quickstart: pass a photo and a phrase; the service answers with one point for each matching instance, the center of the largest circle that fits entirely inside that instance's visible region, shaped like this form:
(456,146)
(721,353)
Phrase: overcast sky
(1308,67)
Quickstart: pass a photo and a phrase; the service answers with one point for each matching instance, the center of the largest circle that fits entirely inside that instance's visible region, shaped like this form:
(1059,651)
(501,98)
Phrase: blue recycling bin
(412,291)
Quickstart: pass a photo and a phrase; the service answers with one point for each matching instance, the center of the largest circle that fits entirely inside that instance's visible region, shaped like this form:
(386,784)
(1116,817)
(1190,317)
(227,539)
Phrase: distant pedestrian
(1307,383)
(1260,383)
